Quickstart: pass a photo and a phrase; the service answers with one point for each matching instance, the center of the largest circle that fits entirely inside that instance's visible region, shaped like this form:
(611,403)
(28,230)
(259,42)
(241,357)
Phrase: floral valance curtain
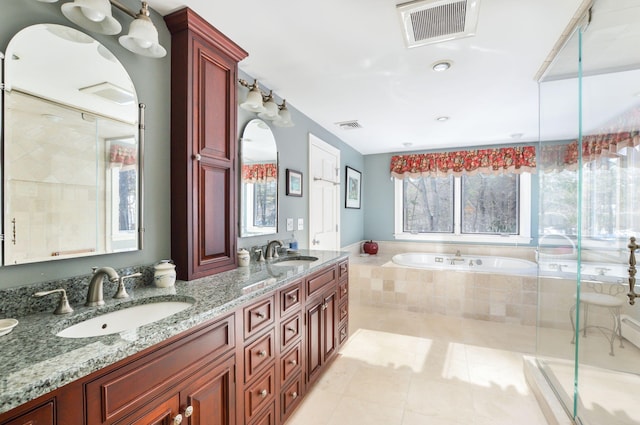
(563,157)
(517,160)
(123,156)
(259,173)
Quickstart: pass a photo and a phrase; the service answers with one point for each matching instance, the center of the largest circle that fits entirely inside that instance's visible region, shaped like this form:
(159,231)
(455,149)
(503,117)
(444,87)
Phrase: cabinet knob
(263,393)
(188,411)
(262,353)
(324,306)
(290,329)
(344,291)
(260,315)
(177,420)
(196,156)
(293,362)
(293,298)
(294,395)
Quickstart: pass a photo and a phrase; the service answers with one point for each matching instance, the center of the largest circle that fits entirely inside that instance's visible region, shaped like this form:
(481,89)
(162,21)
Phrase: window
(477,208)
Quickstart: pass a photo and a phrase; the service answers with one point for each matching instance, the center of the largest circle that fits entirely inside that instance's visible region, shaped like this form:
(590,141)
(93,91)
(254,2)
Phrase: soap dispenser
(293,244)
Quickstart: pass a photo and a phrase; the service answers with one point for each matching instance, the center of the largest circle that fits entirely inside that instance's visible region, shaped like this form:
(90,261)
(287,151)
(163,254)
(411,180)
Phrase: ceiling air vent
(433,21)
(349,125)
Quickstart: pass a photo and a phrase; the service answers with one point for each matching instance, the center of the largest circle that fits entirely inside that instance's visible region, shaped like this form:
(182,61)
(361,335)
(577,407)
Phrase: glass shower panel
(558,235)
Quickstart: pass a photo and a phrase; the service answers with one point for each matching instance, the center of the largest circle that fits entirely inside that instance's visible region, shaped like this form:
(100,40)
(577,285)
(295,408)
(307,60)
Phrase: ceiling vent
(434,21)
(349,125)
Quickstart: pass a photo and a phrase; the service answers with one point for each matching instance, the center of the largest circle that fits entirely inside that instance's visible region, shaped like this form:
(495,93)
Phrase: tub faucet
(95,295)
(272,251)
(458,253)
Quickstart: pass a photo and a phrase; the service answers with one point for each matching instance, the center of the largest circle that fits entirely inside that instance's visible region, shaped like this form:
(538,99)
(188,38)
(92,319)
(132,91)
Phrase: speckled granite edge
(34,361)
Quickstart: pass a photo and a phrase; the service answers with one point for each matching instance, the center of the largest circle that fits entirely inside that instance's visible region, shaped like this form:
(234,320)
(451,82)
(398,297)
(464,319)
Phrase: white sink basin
(125,319)
(296,261)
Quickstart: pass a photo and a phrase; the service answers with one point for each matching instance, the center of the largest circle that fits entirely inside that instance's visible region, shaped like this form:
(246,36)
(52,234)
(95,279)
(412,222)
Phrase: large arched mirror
(259,180)
(71,148)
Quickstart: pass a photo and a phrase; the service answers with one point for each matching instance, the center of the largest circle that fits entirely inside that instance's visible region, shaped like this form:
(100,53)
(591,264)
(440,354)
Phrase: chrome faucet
(95,295)
(272,251)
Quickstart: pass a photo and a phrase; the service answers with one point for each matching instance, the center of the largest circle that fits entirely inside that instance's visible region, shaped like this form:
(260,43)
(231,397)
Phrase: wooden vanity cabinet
(203,146)
(251,367)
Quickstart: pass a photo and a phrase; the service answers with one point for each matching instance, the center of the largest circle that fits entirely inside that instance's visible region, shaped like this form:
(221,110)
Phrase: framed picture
(294,183)
(353,188)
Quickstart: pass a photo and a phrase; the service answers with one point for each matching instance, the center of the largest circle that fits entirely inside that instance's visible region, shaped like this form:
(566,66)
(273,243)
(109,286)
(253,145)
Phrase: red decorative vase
(370,247)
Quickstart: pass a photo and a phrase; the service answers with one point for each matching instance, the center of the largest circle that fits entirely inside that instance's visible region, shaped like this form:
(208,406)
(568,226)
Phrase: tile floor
(405,368)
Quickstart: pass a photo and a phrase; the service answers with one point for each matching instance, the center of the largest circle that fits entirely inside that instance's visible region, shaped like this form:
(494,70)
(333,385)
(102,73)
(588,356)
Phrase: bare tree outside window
(490,204)
(428,205)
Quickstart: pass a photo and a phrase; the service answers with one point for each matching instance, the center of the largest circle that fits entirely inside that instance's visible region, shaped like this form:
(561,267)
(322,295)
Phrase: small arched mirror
(258,180)
(71,148)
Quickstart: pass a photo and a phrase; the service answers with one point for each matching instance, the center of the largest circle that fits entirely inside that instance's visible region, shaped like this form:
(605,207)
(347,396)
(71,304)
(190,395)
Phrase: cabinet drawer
(110,396)
(258,316)
(343,269)
(291,396)
(343,311)
(42,415)
(258,354)
(259,394)
(343,290)
(320,281)
(290,298)
(290,330)
(290,363)
(343,333)
(267,417)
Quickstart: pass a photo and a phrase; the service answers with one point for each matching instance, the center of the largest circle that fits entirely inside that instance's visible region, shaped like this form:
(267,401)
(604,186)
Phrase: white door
(324,195)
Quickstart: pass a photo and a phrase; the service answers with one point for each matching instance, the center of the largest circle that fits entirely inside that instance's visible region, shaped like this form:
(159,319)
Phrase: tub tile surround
(34,361)
(482,296)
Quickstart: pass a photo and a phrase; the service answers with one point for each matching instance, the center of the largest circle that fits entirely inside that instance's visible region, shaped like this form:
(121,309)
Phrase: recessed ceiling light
(517,135)
(442,119)
(407,144)
(441,66)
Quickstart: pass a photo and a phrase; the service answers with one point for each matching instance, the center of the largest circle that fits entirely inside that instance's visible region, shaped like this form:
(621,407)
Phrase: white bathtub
(471,263)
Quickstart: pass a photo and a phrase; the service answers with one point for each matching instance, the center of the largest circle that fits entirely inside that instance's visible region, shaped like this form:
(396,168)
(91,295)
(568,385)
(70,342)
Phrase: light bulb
(92,14)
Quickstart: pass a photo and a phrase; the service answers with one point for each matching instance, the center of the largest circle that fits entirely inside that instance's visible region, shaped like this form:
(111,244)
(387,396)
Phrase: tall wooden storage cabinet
(204,64)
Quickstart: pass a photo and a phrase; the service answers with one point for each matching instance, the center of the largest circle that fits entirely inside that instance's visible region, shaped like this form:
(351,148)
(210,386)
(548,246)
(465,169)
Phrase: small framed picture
(352,188)
(294,183)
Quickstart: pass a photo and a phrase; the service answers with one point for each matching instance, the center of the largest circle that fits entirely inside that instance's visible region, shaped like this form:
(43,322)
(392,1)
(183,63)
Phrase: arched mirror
(71,148)
(259,180)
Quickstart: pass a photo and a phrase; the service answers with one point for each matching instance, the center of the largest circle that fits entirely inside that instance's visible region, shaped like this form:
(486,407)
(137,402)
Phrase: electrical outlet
(289,225)
(300,224)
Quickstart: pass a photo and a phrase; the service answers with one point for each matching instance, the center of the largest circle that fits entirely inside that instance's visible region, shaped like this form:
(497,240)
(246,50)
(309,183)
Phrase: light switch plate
(300,224)
(289,225)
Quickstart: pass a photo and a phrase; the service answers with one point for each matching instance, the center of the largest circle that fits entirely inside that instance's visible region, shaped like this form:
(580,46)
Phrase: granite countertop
(34,361)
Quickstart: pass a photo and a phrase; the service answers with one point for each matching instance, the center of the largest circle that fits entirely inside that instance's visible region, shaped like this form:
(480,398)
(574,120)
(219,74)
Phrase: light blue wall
(379,193)
(152,78)
(293,150)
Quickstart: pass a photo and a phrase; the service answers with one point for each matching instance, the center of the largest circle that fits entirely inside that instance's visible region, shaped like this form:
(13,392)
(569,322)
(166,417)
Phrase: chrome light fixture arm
(265,105)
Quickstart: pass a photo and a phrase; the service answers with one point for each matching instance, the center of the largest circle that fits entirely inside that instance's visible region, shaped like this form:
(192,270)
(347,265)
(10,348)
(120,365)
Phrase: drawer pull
(177,420)
(294,395)
(292,297)
(260,315)
(290,329)
(263,393)
(344,291)
(293,362)
(188,411)
(262,353)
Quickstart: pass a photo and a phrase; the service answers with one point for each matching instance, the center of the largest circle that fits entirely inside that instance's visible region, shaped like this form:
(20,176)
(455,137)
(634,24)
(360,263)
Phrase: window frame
(524,219)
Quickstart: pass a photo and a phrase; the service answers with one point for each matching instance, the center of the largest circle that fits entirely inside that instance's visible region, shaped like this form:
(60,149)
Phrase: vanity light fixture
(265,105)
(95,16)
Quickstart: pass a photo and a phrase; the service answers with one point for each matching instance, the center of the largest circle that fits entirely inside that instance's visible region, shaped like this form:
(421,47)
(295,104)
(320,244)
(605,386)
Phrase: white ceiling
(341,60)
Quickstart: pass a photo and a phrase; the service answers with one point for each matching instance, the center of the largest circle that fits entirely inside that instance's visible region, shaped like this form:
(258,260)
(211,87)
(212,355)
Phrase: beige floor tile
(413,418)
(386,387)
(352,411)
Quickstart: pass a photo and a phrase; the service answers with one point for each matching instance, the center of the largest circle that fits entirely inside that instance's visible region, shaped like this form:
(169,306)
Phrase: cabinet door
(329,328)
(314,340)
(211,396)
